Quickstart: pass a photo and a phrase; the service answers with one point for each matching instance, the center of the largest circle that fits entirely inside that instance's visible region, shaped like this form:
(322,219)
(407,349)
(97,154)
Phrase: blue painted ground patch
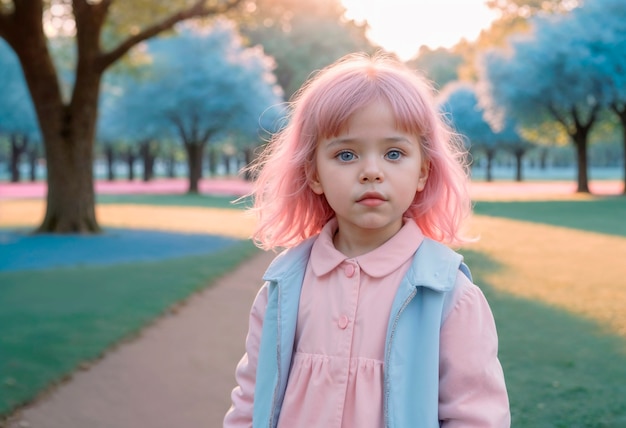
(22,251)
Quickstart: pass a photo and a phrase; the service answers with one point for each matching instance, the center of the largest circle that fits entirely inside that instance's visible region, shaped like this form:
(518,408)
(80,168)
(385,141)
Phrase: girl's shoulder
(294,258)
(435,266)
(464,293)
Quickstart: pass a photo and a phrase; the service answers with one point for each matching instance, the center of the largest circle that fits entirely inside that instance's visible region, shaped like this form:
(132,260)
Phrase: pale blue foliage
(201,84)
(458,100)
(17,113)
(567,67)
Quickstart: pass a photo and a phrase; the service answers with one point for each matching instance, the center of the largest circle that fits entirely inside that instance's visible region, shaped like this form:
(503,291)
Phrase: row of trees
(204,82)
(560,76)
(200,86)
(65,84)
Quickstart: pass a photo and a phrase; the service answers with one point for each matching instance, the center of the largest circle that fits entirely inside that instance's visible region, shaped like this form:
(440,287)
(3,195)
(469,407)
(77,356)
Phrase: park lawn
(55,320)
(561,370)
(598,214)
(572,269)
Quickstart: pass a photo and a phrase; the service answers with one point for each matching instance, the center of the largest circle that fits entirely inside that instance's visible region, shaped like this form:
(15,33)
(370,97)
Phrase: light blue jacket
(412,344)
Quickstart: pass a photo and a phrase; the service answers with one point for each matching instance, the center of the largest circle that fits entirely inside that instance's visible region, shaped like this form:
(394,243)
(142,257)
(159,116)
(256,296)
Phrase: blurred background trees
(567,70)
(102,33)
(201,87)
(18,124)
(128,87)
(302,36)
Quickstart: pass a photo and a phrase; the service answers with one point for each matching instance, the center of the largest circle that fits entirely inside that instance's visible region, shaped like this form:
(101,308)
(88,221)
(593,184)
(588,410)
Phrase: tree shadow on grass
(561,370)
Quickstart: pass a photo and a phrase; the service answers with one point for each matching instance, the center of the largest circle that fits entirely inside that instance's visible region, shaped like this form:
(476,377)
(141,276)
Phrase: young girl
(367,319)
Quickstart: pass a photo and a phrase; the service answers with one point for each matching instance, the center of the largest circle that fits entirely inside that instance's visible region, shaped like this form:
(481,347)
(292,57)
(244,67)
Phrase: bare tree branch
(199,9)
(559,117)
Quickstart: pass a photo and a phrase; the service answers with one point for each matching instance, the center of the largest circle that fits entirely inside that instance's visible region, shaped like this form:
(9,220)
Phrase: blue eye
(394,154)
(345,156)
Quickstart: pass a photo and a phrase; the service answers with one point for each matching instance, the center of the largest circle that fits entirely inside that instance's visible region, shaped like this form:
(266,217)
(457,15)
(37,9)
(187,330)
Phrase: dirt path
(178,373)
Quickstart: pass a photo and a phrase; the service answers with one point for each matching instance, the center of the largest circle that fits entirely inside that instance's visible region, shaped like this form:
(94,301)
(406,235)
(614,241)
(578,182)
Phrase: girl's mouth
(371,199)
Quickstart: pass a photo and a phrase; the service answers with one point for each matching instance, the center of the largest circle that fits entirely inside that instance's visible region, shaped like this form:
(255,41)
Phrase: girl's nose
(371,172)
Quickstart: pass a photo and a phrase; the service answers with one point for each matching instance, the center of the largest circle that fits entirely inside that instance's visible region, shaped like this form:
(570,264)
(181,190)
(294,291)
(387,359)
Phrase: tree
(203,86)
(603,41)
(510,137)
(458,100)
(68,125)
(303,36)
(515,18)
(227,89)
(440,65)
(127,129)
(548,76)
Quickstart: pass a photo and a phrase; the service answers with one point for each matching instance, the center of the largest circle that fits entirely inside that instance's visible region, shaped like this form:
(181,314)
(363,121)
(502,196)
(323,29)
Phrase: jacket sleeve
(472,391)
(242,396)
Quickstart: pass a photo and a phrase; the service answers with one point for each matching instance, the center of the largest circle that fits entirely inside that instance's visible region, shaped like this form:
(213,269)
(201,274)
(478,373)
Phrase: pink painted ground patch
(236,187)
(499,190)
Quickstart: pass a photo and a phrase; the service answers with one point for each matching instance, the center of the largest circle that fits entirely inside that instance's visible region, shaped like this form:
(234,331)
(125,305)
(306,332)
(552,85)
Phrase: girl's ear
(316,185)
(423,178)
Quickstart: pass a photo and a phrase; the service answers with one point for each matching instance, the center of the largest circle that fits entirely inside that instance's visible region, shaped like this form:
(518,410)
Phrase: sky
(402,26)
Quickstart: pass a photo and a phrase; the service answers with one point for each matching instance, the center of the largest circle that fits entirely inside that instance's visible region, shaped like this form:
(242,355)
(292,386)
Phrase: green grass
(603,215)
(561,371)
(54,320)
(183,200)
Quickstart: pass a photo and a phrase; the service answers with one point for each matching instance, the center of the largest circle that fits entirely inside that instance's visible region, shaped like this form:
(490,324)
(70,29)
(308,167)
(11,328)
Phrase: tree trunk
(228,164)
(110,157)
(131,157)
(624,153)
(19,144)
(171,165)
(33,155)
(194,161)
(519,155)
(580,141)
(490,154)
(71,196)
(249,156)
(620,111)
(147,156)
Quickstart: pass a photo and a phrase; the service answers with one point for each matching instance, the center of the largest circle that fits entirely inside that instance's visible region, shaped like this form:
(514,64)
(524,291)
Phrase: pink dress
(336,378)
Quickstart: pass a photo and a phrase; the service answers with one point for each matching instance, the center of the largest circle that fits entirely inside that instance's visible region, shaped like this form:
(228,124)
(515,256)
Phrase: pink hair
(288,211)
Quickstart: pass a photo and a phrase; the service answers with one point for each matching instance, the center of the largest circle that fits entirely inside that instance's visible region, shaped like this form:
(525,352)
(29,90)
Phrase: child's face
(370,174)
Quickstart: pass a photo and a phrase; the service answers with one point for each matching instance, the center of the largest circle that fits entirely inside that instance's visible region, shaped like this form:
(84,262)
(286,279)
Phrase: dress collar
(377,263)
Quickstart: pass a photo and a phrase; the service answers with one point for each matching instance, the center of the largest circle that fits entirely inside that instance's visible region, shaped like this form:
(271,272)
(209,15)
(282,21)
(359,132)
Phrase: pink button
(349,270)
(343,322)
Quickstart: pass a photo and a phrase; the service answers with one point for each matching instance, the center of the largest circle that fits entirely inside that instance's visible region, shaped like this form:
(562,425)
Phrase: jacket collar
(436,268)
(290,261)
(377,263)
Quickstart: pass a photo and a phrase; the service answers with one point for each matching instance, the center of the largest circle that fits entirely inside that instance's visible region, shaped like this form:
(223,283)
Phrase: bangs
(344,93)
